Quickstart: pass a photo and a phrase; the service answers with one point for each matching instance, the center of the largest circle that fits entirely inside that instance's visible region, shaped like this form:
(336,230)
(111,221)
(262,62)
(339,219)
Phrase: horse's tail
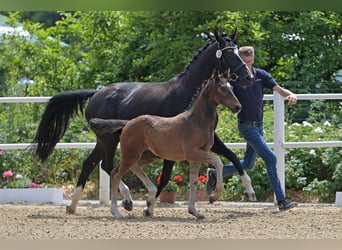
(60,109)
(106,126)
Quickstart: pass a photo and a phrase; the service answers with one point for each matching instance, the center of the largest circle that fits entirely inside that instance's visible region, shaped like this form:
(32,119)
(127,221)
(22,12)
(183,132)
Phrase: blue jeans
(256,145)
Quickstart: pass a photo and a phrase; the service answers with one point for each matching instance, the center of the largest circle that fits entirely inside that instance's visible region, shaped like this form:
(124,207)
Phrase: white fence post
(104,186)
(279,136)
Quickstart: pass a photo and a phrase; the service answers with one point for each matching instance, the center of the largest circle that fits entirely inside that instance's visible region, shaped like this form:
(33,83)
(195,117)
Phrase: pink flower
(32,185)
(35,185)
(84,132)
(1,152)
(8,173)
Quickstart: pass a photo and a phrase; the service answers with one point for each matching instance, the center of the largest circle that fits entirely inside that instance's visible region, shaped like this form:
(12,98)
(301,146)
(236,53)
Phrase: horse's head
(223,92)
(228,57)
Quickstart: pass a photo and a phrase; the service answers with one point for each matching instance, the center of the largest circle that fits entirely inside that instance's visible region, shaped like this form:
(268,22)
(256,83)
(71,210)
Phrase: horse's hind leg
(88,166)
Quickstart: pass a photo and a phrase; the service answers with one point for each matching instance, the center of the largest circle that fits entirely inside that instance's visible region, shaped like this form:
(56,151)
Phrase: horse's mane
(199,52)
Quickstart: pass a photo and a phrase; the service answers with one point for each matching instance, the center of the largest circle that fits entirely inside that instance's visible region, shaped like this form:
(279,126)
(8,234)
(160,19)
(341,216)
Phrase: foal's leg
(194,170)
(147,158)
(116,179)
(200,155)
(221,149)
(109,143)
(152,190)
(116,175)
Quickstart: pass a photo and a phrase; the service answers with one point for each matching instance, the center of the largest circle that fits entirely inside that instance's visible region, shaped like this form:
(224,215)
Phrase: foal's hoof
(200,217)
(197,215)
(147,212)
(128,205)
(70,210)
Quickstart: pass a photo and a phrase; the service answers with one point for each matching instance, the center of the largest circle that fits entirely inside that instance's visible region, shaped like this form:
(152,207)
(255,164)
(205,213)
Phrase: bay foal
(186,136)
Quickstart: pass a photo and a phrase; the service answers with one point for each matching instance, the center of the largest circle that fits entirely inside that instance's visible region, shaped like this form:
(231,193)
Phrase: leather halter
(219,55)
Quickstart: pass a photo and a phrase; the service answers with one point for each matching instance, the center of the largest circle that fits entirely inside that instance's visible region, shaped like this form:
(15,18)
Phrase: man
(250,124)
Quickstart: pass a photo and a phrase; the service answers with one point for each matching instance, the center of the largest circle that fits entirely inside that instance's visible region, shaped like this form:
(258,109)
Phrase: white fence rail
(278,144)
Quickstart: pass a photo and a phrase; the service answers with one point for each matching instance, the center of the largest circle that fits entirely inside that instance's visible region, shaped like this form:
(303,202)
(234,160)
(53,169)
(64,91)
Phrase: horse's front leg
(221,149)
(165,176)
(194,170)
(247,183)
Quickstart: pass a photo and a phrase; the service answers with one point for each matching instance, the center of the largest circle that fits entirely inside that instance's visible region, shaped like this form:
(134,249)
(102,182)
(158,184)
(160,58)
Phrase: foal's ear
(216,74)
(226,74)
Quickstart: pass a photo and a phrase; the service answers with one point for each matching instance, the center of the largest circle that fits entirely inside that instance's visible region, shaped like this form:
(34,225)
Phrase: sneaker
(211,181)
(286,205)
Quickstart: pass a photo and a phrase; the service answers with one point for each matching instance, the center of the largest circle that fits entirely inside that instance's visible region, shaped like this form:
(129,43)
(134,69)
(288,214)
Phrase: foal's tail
(60,109)
(106,126)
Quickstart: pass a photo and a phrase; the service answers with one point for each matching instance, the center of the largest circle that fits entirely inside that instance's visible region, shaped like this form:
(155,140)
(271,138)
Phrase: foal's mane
(198,92)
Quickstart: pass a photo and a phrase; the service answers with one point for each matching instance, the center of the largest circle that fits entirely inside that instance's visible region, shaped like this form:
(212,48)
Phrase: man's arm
(287,94)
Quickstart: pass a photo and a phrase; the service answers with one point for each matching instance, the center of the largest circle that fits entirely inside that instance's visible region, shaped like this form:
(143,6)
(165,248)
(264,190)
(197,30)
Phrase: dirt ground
(223,220)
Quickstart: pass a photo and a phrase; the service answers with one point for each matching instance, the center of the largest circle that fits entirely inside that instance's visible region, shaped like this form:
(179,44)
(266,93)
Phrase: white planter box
(31,195)
(338,199)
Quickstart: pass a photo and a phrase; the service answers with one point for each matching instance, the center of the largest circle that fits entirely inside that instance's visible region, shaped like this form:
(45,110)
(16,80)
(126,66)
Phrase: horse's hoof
(250,196)
(211,200)
(70,210)
(128,205)
(147,212)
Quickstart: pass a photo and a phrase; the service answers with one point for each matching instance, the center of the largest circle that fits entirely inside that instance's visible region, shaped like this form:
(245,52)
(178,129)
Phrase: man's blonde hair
(246,51)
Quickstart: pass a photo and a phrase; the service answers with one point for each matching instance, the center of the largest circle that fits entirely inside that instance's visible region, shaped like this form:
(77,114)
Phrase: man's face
(249,60)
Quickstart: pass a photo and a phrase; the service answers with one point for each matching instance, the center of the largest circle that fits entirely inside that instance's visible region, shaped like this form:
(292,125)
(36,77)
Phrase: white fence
(279,143)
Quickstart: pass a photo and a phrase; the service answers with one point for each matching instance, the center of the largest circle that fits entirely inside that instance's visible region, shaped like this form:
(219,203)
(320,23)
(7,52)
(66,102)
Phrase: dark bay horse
(189,136)
(129,100)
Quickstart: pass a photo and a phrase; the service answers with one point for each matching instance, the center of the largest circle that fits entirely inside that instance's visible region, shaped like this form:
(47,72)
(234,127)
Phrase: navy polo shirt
(251,98)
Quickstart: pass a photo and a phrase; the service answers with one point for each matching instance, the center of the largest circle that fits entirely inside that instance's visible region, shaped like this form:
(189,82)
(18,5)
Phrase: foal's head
(223,91)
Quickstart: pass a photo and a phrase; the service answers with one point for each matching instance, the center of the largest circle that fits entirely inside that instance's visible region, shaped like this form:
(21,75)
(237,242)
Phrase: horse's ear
(219,38)
(233,36)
